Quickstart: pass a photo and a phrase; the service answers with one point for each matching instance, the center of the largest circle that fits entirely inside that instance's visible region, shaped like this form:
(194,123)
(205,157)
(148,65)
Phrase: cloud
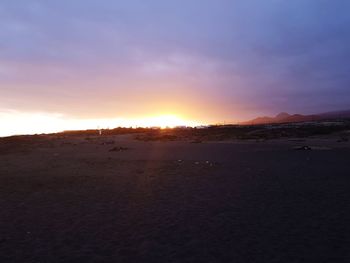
(245,57)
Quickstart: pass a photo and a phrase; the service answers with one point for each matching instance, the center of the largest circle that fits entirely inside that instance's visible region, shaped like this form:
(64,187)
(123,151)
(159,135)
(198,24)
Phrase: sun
(15,123)
(165,121)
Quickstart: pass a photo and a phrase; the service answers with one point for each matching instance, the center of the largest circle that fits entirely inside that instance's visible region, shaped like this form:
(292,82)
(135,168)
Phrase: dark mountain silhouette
(336,114)
(284,117)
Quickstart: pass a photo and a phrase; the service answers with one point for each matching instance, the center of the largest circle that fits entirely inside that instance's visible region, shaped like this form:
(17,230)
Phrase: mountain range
(284,117)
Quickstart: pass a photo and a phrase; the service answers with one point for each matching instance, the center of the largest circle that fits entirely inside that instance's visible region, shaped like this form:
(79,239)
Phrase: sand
(115,199)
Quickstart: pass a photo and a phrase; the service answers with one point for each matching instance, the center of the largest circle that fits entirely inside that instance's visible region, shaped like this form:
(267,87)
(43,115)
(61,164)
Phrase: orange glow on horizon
(20,123)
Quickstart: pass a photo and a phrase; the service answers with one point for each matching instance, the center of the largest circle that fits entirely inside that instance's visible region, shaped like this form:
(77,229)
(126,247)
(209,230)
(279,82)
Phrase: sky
(88,63)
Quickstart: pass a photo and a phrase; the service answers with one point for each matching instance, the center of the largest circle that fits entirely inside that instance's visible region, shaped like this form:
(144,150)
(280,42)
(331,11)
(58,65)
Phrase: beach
(117,199)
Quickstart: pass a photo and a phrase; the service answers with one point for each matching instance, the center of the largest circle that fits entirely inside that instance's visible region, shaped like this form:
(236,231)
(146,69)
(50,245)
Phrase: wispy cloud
(238,58)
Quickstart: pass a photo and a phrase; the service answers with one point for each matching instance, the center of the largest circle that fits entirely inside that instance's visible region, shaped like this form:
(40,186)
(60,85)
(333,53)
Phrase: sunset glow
(81,65)
(38,122)
(174,131)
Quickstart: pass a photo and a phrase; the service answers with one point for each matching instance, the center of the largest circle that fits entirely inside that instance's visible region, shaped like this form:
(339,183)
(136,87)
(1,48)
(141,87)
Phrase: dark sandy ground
(114,199)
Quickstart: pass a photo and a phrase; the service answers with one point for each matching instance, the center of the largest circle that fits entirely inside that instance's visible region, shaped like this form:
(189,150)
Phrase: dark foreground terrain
(115,199)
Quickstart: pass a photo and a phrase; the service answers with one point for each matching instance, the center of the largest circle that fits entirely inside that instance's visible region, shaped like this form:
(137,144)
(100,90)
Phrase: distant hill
(284,117)
(336,114)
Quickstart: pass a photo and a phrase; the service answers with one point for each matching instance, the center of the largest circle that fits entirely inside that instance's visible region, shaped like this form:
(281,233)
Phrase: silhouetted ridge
(284,117)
